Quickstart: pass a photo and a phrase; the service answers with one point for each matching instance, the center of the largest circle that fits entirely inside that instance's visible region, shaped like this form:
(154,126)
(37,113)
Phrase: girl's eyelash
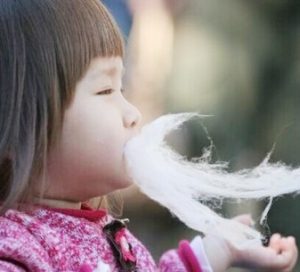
(105,92)
(109,91)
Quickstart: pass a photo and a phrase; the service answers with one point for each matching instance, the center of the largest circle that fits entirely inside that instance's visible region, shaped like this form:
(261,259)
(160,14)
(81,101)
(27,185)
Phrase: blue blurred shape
(119,9)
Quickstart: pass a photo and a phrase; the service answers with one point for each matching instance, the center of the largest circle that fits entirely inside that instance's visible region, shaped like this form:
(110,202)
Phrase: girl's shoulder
(43,239)
(19,246)
(13,225)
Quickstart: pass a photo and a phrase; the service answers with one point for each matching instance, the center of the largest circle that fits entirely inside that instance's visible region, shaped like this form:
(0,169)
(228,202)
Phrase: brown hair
(45,48)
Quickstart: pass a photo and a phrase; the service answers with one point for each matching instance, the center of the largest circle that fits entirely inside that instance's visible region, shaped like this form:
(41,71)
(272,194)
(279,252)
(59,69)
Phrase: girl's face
(88,159)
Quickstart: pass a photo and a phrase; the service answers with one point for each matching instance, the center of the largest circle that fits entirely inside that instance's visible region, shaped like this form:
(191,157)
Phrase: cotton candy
(185,186)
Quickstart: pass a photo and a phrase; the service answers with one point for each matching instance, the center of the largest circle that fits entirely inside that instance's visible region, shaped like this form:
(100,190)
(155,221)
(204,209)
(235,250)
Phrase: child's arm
(280,255)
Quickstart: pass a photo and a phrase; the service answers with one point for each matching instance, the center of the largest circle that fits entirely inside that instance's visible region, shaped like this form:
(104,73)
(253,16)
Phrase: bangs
(84,30)
(101,32)
(90,30)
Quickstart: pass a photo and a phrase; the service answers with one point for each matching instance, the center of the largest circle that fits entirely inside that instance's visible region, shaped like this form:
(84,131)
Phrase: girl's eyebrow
(110,71)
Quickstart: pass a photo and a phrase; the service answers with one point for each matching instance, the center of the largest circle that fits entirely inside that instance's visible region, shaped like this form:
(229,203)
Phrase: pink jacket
(77,240)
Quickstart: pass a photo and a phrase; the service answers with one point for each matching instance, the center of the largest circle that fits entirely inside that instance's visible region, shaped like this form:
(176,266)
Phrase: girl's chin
(125,183)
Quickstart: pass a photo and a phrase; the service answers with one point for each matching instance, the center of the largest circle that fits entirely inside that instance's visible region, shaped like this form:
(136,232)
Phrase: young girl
(63,126)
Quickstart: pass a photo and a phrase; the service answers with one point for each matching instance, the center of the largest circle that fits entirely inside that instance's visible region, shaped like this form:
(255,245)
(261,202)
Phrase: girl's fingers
(287,256)
(280,255)
(275,242)
(289,252)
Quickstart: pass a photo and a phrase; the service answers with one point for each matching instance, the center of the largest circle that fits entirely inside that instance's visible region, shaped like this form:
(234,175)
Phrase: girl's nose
(132,116)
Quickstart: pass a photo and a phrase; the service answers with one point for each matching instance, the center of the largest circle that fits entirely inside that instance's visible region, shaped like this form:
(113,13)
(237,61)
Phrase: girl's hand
(279,256)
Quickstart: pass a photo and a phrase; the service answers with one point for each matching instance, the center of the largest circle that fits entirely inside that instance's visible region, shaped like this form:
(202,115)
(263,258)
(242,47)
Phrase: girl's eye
(105,92)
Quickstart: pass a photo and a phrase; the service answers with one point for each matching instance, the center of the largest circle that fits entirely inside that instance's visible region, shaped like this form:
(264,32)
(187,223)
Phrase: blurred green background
(237,60)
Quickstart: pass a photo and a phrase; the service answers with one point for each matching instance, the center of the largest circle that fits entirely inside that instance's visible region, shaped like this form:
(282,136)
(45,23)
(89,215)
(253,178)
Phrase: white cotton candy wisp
(183,186)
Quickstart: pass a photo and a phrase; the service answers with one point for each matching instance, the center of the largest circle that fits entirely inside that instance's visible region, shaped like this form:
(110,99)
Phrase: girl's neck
(59,203)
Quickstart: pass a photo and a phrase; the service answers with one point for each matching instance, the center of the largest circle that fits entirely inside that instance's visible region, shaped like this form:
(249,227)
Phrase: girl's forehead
(109,66)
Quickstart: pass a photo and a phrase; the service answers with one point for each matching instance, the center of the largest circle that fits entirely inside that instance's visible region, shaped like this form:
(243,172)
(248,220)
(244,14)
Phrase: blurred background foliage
(236,60)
